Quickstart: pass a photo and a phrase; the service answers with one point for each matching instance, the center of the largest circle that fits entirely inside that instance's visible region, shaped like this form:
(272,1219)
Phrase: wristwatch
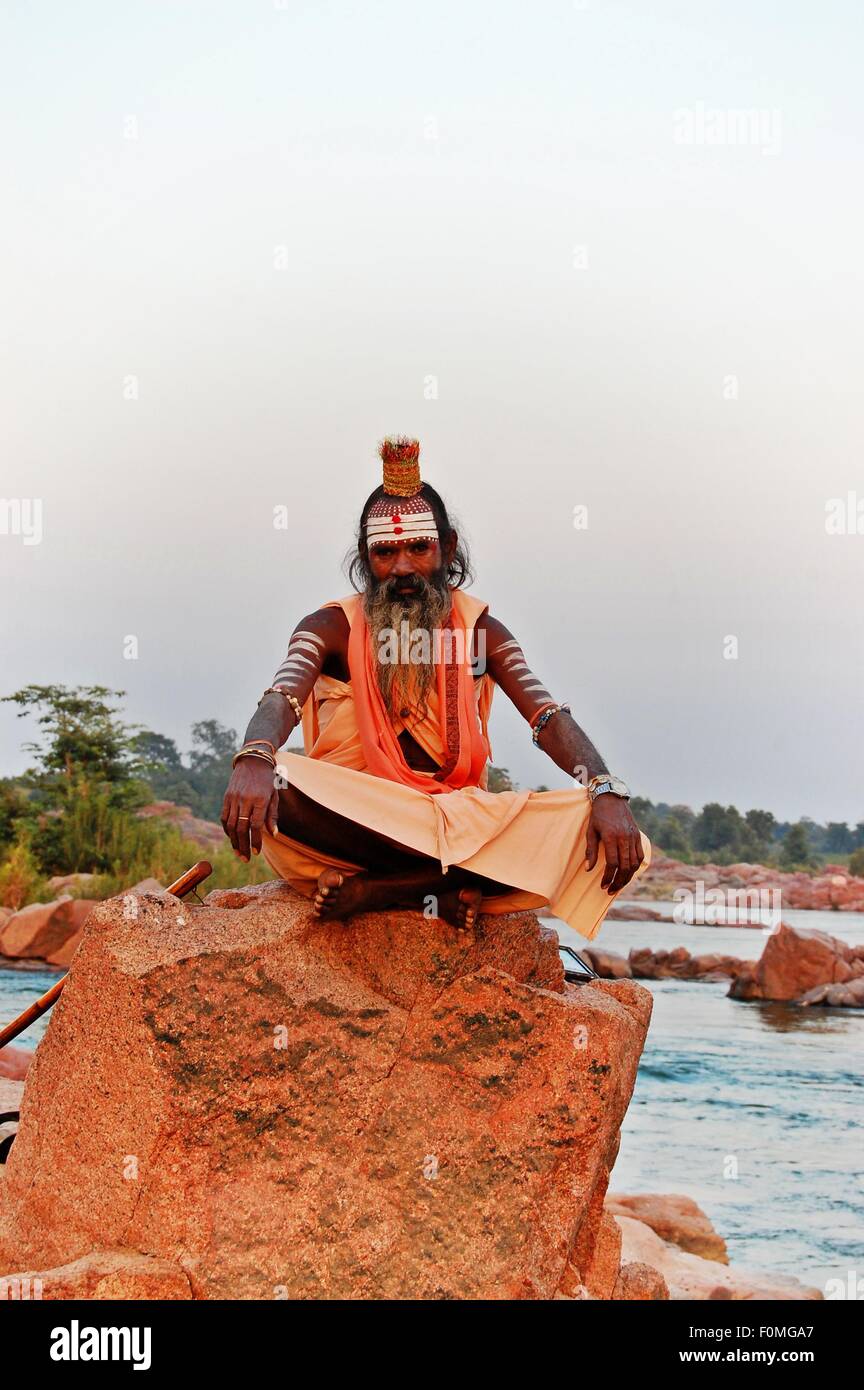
(605,782)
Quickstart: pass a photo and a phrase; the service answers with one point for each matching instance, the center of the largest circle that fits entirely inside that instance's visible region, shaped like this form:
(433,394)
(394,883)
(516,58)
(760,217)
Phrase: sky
(604,261)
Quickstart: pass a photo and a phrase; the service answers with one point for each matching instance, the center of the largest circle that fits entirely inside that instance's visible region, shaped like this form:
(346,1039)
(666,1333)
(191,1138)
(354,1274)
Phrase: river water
(754,1110)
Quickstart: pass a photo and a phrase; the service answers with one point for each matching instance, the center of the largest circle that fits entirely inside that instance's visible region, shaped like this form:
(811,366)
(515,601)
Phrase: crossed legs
(393,875)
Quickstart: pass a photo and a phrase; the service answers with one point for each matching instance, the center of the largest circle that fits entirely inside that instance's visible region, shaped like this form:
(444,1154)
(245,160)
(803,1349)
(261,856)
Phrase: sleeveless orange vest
(454,732)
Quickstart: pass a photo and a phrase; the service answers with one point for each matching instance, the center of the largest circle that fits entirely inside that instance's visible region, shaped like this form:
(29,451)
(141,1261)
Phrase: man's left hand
(612,824)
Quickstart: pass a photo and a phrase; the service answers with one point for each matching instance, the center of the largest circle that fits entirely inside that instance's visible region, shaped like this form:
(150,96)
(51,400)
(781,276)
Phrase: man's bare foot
(338,894)
(460,908)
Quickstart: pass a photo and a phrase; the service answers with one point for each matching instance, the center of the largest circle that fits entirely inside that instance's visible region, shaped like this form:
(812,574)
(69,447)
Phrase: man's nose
(404,564)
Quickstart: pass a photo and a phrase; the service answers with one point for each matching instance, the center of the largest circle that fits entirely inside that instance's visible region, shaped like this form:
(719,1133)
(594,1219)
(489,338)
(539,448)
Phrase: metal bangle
(253,753)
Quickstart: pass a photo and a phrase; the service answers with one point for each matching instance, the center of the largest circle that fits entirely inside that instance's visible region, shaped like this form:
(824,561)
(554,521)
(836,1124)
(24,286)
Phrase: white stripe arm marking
(312,636)
(505,646)
(293,672)
(295,646)
(295,668)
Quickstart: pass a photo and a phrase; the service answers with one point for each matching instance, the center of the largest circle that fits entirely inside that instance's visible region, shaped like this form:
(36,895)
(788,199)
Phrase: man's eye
(420,547)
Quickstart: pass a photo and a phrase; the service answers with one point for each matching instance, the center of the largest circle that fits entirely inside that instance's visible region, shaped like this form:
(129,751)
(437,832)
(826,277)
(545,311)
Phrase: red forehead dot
(397,530)
(395,517)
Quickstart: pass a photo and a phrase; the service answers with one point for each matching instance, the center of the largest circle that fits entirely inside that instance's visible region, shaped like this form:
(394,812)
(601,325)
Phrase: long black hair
(459,567)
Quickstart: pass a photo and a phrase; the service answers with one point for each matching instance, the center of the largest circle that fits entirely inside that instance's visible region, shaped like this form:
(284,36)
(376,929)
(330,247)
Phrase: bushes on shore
(74,810)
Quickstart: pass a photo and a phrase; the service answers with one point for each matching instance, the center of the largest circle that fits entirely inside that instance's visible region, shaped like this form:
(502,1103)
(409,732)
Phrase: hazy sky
(243,241)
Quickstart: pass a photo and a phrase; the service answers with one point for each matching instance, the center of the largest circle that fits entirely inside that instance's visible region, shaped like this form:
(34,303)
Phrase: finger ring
(242,817)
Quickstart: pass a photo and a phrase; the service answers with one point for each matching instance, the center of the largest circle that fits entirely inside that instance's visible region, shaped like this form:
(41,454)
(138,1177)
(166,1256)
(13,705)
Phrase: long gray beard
(405,682)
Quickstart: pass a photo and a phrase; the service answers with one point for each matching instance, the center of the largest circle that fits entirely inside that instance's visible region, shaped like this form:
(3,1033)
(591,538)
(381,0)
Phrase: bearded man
(393,686)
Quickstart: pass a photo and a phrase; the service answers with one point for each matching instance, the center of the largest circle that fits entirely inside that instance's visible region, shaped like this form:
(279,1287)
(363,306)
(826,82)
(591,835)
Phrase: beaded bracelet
(544,720)
(292,699)
(550,704)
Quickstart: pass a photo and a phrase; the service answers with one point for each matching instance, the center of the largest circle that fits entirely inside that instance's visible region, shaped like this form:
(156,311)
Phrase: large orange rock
(282,1107)
(675,1218)
(41,930)
(795,961)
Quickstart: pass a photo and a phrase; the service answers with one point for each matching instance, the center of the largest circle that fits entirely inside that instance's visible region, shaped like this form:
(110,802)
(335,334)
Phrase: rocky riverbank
(796,966)
(833,888)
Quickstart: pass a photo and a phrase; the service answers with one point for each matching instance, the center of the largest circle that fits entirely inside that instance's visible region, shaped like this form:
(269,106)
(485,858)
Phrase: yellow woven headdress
(391,522)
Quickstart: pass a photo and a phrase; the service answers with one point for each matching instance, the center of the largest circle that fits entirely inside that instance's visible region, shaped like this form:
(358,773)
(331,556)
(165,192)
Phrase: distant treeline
(725,835)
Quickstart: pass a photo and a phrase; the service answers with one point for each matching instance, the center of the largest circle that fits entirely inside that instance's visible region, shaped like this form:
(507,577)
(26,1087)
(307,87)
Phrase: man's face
(403,567)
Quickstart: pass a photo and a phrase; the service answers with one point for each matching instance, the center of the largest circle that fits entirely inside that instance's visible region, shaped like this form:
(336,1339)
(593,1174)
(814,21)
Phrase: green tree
(499,779)
(158,751)
(856,863)
(213,747)
(671,836)
(83,745)
(762,826)
(718,828)
(838,837)
(200,783)
(796,851)
(164,771)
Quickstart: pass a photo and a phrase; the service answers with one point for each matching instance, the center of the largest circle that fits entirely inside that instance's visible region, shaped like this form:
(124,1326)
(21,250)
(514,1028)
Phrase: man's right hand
(251,802)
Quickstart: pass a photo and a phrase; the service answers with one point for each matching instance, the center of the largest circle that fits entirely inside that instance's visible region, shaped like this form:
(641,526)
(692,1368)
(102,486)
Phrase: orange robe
(535,841)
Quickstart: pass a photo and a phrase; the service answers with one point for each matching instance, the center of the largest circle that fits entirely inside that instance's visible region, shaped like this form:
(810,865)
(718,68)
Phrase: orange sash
(466,748)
